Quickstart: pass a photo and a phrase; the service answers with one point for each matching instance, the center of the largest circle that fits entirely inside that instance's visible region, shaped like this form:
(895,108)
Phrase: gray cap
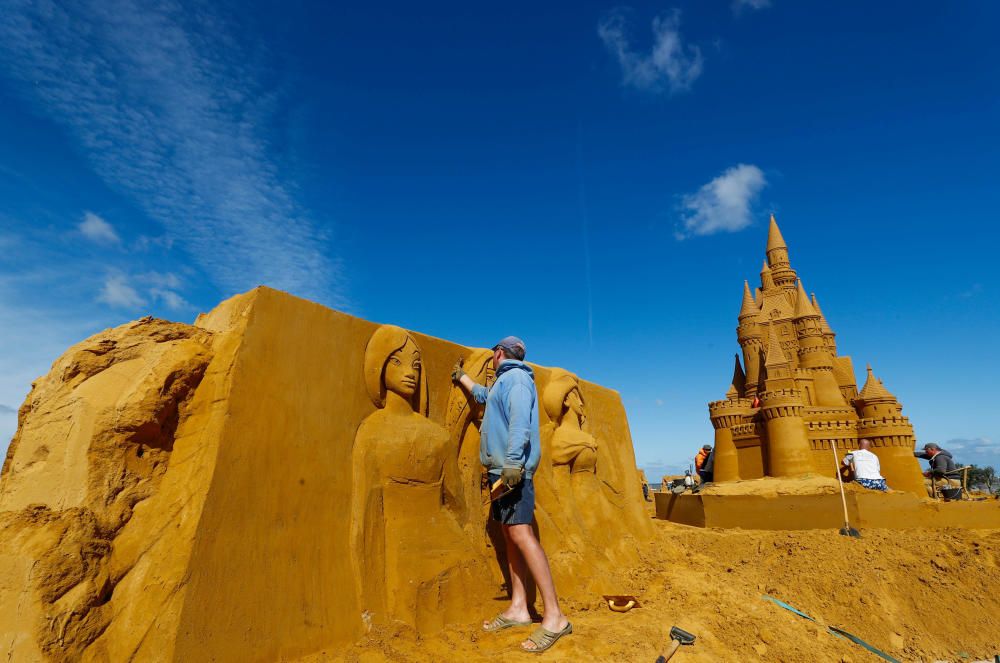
(513,346)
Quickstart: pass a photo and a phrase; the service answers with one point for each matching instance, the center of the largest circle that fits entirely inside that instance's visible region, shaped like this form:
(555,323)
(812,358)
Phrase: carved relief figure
(573,451)
(408,546)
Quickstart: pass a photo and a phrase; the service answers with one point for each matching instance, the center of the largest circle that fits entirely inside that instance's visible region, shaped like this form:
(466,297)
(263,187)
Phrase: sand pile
(916,595)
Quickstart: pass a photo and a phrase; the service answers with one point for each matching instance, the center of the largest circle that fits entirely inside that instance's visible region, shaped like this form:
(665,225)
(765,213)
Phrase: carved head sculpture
(392,363)
(562,394)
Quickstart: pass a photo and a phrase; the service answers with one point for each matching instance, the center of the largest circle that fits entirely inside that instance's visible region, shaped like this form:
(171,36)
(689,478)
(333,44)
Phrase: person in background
(865,466)
(702,456)
(941,462)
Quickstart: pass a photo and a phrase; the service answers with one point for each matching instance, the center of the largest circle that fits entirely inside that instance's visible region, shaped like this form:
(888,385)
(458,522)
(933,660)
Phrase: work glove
(511,476)
(457,372)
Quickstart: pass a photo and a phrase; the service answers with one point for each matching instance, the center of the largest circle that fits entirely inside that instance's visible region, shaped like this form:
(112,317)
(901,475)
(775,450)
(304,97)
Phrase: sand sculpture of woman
(412,561)
(573,451)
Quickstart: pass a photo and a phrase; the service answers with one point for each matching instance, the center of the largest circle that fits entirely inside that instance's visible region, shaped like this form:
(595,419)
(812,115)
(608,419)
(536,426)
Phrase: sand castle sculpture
(796,396)
(277,479)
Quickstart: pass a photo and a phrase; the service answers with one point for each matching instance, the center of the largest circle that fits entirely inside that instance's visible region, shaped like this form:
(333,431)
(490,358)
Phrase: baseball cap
(513,346)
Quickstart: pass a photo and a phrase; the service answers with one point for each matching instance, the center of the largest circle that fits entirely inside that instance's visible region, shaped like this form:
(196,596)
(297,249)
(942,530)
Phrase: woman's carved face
(575,402)
(402,370)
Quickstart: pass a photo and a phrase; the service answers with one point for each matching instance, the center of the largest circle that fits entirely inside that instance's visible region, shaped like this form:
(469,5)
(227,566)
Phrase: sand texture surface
(917,595)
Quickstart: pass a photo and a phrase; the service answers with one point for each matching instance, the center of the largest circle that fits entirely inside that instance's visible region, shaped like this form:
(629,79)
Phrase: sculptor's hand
(511,476)
(457,372)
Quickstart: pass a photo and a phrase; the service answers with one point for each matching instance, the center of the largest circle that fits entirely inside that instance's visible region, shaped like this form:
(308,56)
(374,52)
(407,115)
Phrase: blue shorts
(516,507)
(873,484)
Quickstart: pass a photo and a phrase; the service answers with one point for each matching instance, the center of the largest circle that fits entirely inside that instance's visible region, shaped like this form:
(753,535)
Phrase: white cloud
(752,5)
(171,110)
(98,230)
(722,205)
(119,293)
(170,299)
(670,64)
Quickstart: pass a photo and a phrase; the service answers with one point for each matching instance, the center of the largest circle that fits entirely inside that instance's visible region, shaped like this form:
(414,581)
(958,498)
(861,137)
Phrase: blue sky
(595,178)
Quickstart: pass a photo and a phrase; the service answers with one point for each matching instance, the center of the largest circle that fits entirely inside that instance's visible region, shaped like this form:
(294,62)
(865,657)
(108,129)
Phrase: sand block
(279,478)
(815,503)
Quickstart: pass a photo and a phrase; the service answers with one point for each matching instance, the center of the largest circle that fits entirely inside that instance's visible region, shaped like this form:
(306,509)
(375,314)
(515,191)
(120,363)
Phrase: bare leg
(518,608)
(523,538)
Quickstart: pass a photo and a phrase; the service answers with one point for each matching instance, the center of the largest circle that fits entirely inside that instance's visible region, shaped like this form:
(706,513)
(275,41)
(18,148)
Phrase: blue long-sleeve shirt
(509,436)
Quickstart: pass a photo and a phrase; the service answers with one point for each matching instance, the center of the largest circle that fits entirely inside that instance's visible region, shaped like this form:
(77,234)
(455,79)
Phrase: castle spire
(777,257)
(824,325)
(775,356)
(766,280)
(774,238)
(748,307)
(738,385)
(803,308)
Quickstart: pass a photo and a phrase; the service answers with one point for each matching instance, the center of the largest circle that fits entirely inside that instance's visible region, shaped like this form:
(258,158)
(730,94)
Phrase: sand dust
(917,595)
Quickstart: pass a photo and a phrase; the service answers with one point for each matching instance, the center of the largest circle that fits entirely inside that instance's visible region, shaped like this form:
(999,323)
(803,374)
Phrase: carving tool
(678,637)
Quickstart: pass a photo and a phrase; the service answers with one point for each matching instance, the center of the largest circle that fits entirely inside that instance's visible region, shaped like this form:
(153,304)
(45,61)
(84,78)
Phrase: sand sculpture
(796,396)
(276,479)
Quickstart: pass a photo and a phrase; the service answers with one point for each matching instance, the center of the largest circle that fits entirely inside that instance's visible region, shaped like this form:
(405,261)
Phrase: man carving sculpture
(509,449)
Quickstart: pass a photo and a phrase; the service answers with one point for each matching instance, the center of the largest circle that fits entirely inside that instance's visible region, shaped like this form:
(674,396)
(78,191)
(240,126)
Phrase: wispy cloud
(724,204)
(740,6)
(133,292)
(669,65)
(981,451)
(7,410)
(118,292)
(98,230)
(170,109)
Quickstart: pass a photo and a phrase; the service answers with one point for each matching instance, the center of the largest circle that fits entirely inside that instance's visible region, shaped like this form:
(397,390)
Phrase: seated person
(941,462)
(865,466)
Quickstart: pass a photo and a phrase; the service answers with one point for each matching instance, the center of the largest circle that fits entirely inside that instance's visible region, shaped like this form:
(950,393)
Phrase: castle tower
(777,257)
(891,433)
(788,451)
(814,355)
(724,415)
(748,335)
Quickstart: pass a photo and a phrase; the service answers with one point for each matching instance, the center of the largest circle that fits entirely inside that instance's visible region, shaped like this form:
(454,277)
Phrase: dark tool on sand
(621,602)
(846,530)
(678,637)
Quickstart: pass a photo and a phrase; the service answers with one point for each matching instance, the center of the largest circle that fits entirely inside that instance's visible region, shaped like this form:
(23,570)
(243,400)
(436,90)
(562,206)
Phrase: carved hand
(457,372)
(511,476)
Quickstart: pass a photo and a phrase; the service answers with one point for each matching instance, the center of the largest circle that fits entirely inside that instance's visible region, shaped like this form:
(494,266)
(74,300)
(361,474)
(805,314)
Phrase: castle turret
(724,415)
(782,407)
(748,335)
(814,355)
(891,433)
(777,257)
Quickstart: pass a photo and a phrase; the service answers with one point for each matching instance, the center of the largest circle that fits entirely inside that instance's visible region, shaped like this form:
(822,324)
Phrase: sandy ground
(919,595)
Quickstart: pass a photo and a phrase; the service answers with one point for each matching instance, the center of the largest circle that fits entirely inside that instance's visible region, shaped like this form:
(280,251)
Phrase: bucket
(951,493)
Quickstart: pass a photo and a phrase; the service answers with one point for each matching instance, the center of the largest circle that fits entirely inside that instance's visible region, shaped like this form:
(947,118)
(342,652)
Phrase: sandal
(544,638)
(499,623)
